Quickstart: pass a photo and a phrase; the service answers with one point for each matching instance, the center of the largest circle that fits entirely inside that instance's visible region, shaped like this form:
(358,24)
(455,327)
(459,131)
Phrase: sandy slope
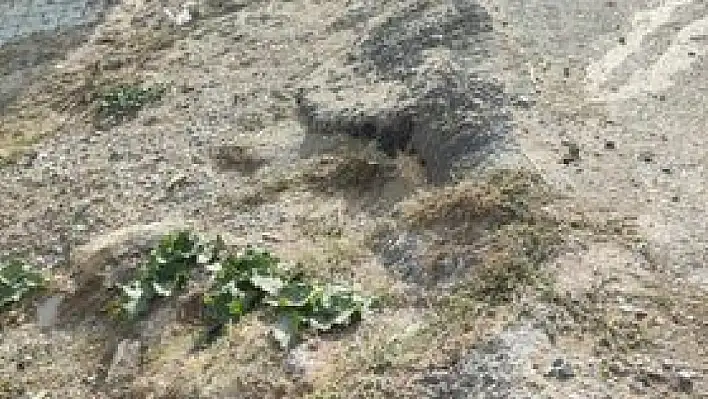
(273,78)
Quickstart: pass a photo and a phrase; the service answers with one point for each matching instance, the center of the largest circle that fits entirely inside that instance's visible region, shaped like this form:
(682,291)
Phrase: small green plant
(253,279)
(166,271)
(124,101)
(239,284)
(17,280)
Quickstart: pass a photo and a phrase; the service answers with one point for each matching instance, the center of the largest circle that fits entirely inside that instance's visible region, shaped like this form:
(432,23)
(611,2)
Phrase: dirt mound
(407,83)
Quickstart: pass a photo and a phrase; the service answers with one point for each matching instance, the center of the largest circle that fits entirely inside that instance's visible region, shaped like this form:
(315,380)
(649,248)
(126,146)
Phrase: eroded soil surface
(394,145)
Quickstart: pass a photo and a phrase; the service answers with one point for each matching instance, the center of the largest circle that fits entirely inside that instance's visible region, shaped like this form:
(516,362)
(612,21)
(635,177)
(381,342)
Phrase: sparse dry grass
(348,173)
(511,246)
(244,362)
(499,225)
(496,225)
(502,195)
(507,252)
(67,95)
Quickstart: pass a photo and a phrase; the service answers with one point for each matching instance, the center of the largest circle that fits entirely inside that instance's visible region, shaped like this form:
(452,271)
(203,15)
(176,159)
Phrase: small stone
(27,159)
(183,17)
(177,181)
(573,154)
(270,237)
(48,311)
(609,145)
(111,63)
(637,387)
(114,156)
(126,360)
(561,370)
(617,369)
(639,313)
(523,101)
(150,120)
(40,395)
(654,375)
(622,40)
(684,383)
(646,156)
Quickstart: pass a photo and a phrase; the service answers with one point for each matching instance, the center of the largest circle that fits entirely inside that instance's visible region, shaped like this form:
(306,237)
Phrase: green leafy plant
(166,271)
(124,101)
(253,279)
(239,284)
(17,280)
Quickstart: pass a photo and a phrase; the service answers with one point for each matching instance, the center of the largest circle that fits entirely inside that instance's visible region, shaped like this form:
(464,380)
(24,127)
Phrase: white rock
(126,360)
(182,18)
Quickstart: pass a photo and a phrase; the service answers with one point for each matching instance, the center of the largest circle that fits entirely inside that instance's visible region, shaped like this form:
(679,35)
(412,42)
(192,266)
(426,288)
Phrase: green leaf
(270,285)
(292,295)
(236,308)
(240,283)
(160,290)
(325,320)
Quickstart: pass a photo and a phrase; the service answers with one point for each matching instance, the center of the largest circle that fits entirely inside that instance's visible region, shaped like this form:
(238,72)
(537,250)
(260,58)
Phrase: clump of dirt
(367,178)
(352,173)
(236,158)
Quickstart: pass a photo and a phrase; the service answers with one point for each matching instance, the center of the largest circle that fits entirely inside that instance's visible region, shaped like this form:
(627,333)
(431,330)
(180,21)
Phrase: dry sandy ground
(567,274)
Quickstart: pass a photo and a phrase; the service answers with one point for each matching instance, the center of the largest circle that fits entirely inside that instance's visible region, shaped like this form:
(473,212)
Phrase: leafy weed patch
(17,281)
(165,273)
(120,103)
(238,284)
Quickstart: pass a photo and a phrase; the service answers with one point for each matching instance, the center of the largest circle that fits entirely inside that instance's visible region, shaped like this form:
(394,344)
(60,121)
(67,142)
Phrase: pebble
(684,383)
(561,370)
(573,154)
(646,156)
(176,181)
(638,313)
